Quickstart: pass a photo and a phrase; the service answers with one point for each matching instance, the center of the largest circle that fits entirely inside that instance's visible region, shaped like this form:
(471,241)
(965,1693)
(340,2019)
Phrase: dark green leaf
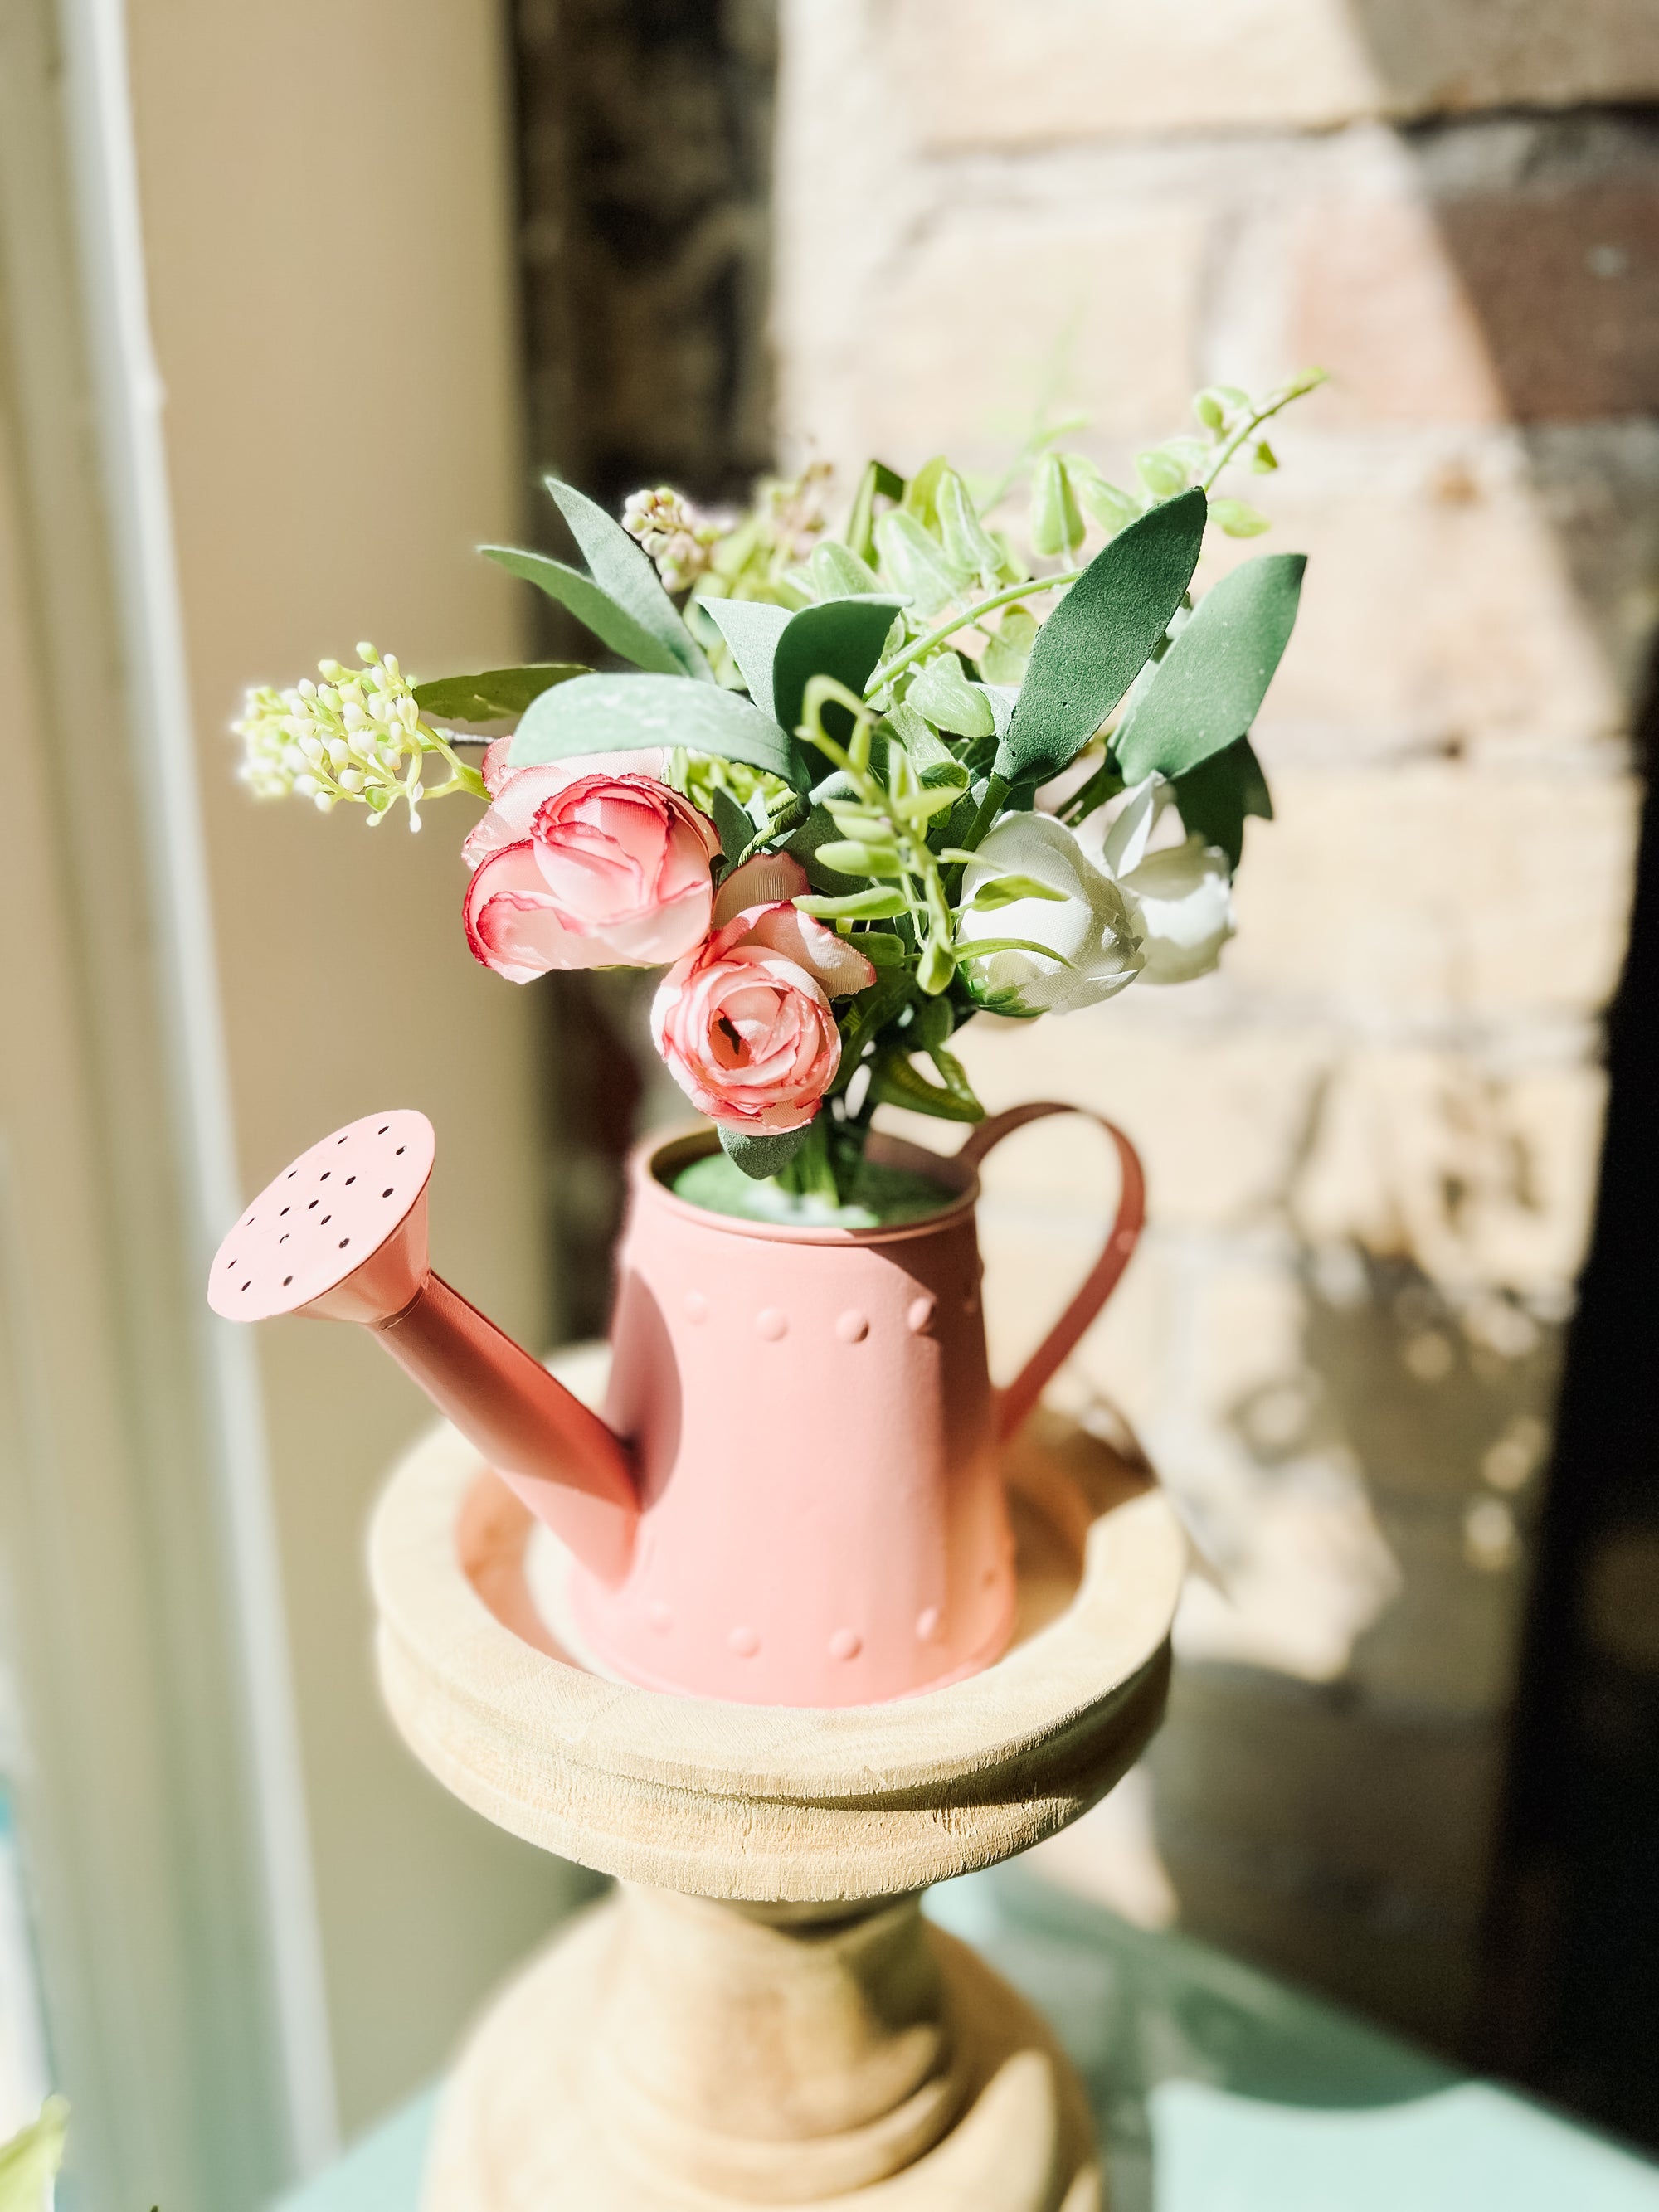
(594,608)
(495,693)
(1097,639)
(1215,797)
(751,628)
(842,638)
(624,570)
(624,713)
(1209,684)
(736,826)
(761,1156)
(896,1081)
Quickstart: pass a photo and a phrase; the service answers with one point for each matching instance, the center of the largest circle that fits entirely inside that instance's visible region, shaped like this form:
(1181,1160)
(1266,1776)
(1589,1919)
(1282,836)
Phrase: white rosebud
(1085,946)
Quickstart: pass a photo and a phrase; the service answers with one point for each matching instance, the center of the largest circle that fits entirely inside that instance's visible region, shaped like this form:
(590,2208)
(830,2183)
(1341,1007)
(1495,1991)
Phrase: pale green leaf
(751,628)
(494,694)
(917,563)
(949,700)
(593,606)
(1204,692)
(761,1156)
(624,570)
(627,713)
(1238,517)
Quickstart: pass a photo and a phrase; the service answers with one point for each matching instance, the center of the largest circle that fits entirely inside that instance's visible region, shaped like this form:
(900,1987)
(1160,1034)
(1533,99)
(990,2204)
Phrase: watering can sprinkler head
(342,1234)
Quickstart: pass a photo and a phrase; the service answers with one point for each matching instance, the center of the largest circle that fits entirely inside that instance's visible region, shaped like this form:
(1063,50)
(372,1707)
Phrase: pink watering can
(794,1496)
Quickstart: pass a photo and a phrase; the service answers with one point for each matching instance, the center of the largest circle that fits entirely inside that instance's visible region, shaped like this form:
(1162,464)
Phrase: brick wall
(1372,1138)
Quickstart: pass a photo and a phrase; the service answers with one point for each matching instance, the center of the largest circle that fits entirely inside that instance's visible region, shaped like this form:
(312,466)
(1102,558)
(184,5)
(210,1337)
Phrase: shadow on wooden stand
(760,2015)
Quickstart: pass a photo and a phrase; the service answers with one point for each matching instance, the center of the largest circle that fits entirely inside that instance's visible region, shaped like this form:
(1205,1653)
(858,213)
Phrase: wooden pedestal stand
(760,2016)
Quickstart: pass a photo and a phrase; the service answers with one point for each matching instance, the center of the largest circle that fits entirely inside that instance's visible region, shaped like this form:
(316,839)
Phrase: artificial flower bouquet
(853,788)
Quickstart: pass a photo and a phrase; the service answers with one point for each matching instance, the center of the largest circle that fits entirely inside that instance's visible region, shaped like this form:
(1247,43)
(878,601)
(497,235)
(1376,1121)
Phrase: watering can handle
(1016,1401)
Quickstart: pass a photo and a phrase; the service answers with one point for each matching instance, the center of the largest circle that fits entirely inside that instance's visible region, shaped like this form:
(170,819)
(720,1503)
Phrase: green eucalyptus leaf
(494,695)
(751,628)
(878,481)
(1215,798)
(949,700)
(967,542)
(1112,509)
(851,856)
(1009,646)
(761,1156)
(626,572)
(837,573)
(593,606)
(1205,691)
(1264,460)
(925,748)
(1238,517)
(921,493)
(734,823)
(880,948)
(627,713)
(1100,635)
(874,905)
(1005,891)
(1163,475)
(842,638)
(1056,519)
(917,563)
(896,1081)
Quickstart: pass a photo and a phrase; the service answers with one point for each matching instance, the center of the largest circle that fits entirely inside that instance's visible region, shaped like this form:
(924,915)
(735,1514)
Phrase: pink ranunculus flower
(516,792)
(614,872)
(745,1022)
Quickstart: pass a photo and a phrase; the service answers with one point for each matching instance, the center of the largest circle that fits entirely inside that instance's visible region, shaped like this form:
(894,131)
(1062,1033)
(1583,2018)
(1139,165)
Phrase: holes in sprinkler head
(349,1181)
(248,1284)
(384,1127)
(324,1223)
(280,1215)
(340,1140)
(398,1154)
(324,1175)
(344,1240)
(289,1177)
(282,1239)
(314,1204)
(386,1193)
(287,1280)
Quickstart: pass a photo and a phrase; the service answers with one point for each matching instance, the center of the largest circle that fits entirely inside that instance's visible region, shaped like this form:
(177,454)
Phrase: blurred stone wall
(644,150)
(1372,1138)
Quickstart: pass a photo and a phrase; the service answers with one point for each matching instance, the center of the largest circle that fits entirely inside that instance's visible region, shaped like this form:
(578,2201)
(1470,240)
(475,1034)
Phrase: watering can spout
(342,1234)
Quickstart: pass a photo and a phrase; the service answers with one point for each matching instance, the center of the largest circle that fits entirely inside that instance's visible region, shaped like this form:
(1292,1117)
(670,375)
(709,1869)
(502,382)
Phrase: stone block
(1471,1175)
(1436,891)
(1216,1118)
(974,75)
(1532,304)
(978,312)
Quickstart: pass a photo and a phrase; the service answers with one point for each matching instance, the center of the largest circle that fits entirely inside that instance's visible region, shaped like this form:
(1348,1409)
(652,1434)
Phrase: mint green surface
(1217,2089)
(882,1197)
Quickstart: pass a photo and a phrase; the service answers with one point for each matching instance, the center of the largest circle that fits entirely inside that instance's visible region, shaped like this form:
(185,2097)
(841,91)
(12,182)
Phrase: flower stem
(1296,390)
(965,620)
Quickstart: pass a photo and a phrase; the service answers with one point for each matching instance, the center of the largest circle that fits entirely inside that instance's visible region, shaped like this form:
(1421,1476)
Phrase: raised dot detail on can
(846,1643)
(745,1642)
(771,1323)
(927,1625)
(853,1327)
(918,1313)
(695,1306)
(659,1616)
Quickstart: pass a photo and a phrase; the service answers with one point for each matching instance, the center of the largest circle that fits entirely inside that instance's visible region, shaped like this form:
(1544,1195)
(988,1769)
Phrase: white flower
(1179,897)
(1088,925)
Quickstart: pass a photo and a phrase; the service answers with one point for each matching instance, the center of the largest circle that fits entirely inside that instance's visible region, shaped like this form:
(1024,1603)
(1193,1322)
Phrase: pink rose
(745,1022)
(614,872)
(516,792)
